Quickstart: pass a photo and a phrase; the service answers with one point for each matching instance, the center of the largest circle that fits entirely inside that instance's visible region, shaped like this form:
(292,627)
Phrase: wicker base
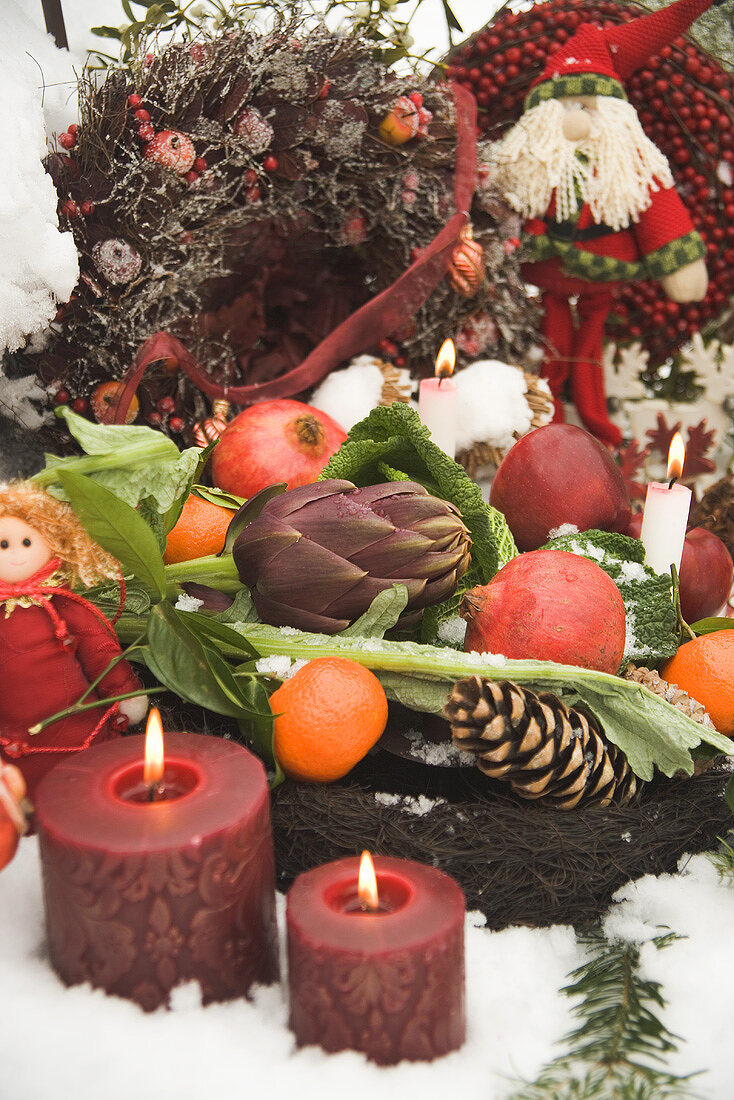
(518,863)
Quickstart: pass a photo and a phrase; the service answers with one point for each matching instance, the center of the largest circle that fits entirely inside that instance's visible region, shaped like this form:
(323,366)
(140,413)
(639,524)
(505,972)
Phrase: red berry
(324,93)
(142,115)
(134,100)
(87,208)
(250,177)
(253,194)
(199,164)
(67,141)
(388,348)
(191,177)
(80,405)
(176,424)
(166,405)
(270,164)
(416,98)
(146,131)
(62,396)
(155,418)
(70,208)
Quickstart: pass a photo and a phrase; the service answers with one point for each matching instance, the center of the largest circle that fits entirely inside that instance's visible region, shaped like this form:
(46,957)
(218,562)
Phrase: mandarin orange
(704,667)
(200,530)
(329,715)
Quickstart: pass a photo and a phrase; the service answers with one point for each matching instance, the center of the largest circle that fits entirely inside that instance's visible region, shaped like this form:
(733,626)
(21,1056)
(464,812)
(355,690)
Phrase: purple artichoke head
(317,556)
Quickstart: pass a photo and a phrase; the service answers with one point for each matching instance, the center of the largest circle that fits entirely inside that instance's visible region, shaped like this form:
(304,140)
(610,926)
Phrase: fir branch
(619,1048)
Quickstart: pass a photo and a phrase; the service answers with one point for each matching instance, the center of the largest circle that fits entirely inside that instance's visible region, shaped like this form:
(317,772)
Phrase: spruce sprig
(618,1050)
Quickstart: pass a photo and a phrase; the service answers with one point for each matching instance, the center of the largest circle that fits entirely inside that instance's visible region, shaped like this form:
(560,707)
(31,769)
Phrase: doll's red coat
(41,674)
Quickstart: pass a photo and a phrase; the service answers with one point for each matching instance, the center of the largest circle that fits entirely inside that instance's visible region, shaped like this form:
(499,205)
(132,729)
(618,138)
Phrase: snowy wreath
(245,222)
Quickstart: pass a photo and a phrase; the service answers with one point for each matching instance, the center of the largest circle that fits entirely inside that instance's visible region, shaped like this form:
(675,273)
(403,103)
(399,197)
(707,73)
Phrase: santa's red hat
(596,60)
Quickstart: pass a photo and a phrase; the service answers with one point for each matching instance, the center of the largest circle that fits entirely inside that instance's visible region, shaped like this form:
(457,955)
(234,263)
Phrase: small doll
(53,642)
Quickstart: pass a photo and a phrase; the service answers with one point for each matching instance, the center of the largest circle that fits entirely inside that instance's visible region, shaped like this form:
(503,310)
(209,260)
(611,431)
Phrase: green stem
(79,708)
(134,454)
(682,626)
(217,572)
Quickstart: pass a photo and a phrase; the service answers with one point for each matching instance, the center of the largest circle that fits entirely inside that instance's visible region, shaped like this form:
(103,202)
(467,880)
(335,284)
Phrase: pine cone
(543,748)
(715,512)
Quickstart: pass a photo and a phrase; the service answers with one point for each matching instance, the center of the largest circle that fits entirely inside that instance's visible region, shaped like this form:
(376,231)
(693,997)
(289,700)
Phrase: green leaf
(394,435)
(218,496)
(180,661)
(107,598)
(382,614)
(258,732)
(650,732)
(107,32)
(209,628)
(451,19)
(711,625)
(147,510)
(249,511)
(116,527)
(241,611)
(128,10)
(175,509)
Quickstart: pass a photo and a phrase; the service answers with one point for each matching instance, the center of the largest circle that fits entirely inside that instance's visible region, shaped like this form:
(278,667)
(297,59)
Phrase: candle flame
(676,457)
(153,768)
(367,883)
(446,359)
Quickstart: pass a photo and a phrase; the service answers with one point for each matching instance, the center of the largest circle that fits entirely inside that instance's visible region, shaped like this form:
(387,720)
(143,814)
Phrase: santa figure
(598,199)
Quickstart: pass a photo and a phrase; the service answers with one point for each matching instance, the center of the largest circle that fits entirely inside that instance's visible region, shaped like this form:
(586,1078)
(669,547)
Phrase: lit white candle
(665,518)
(438,406)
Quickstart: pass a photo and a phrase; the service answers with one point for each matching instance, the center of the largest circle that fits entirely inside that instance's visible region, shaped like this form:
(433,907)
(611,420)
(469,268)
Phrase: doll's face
(22,550)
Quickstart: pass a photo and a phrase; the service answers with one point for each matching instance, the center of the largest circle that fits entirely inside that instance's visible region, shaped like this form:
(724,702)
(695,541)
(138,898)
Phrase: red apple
(706,572)
(274,441)
(548,605)
(559,474)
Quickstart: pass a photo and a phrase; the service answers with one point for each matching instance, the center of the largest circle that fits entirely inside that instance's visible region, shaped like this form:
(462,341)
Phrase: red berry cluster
(684,100)
(147,134)
(162,412)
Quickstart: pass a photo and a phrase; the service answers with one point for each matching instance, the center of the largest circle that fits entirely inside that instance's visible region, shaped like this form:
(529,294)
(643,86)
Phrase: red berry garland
(684,101)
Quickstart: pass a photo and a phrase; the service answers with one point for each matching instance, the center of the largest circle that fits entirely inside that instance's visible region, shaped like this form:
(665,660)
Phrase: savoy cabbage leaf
(650,615)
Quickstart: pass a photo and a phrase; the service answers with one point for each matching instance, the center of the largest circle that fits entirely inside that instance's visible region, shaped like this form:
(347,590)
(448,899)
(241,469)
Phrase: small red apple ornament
(548,605)
(559,474)
(706,572)
(275,441)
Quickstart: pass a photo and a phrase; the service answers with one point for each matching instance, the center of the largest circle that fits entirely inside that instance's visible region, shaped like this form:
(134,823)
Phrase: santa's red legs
(598,199)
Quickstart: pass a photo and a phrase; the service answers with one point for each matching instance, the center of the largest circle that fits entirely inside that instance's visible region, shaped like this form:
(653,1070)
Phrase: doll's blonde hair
(82,559)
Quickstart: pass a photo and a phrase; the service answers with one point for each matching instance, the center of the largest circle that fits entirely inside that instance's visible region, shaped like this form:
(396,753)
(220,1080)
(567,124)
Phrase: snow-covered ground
(80,1044)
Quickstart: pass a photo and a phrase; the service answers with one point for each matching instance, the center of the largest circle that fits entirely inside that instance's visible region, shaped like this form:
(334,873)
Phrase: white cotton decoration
(349,395)
(492,405)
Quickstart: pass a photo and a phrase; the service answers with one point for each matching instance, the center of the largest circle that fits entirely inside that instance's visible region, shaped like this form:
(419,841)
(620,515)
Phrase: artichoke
(317,556)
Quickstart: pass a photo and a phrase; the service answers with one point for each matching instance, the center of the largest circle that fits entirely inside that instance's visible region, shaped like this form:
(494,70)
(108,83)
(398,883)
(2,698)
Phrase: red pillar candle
(143,895)
(390,982)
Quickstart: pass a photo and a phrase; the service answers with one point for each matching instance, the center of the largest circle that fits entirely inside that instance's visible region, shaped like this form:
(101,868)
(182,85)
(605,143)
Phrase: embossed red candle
(153,880)
(384,975)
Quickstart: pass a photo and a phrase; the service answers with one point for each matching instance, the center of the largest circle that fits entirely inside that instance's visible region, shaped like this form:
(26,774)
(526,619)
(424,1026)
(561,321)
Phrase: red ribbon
(379,317)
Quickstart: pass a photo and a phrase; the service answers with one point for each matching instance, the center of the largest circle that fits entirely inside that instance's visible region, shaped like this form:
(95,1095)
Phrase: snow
(564,529)
(188,603)
(94,1045)
(348,395)
(633,571)
(452,631)
(39,267)
(280,667)
(418,806)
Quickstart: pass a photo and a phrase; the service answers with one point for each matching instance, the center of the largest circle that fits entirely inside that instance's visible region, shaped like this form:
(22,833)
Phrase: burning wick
(676,458)
(154,759)
(445,361)
(367,885)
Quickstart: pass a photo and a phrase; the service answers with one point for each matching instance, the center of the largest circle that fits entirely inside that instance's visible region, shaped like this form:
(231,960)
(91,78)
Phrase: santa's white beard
(614,169)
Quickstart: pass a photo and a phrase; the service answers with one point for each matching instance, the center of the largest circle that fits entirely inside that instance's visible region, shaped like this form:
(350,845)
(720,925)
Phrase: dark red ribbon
(379,317)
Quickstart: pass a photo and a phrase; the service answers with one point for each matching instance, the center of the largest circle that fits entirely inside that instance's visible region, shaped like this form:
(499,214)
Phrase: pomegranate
(275,441)
(548,605)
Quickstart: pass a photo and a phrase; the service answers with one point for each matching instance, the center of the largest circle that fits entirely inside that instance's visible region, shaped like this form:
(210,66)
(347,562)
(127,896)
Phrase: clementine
(704,667)
(200,530)
(329,715)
